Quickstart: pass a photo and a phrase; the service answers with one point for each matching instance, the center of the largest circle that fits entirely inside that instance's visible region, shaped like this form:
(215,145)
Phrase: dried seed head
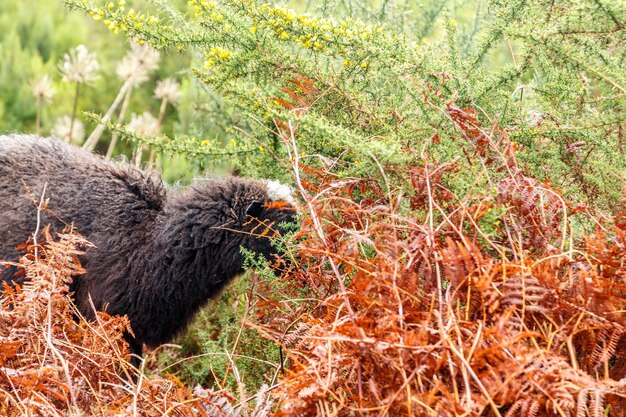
(128,69)
(138,63)
(146,56)
(143,125)
(168,89)
(79,65)
(43,88)
(62,129)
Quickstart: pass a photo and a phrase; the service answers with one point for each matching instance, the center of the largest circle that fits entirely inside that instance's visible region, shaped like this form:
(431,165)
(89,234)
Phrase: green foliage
(218,336)
(353,84)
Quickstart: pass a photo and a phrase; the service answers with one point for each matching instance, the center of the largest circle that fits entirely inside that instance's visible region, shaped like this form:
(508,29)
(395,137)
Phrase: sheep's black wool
(159,254)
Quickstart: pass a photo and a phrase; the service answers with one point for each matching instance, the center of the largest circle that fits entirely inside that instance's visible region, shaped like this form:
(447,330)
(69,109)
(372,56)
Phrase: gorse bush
(355,89)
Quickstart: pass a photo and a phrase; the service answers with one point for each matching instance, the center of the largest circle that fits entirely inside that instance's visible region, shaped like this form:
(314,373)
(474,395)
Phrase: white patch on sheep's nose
(280,192)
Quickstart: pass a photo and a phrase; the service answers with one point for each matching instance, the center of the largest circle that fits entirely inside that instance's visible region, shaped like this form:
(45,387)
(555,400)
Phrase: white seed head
(143,125)
(129,70)
(146,56)
(138,63)
(168,89)
(79,65)
(43,88)
(62,129)
(280,192)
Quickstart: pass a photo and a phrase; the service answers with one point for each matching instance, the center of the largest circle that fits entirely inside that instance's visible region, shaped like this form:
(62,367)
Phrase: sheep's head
(267,214)
(223,215)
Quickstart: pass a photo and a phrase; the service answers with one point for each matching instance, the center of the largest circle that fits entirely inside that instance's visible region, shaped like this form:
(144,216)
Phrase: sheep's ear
(254,209)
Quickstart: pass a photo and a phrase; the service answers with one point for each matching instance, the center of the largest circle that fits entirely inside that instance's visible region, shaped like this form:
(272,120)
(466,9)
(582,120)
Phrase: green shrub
(553,72)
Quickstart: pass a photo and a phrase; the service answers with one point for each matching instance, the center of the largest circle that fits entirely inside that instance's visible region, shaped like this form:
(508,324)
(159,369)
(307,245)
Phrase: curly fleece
(159,254)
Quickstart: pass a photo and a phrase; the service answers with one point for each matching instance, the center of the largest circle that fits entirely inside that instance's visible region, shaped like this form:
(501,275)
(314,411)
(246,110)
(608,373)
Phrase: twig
(295,157)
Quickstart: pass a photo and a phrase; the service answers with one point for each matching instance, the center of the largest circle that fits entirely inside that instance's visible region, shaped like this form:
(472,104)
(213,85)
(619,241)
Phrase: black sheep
(159,254)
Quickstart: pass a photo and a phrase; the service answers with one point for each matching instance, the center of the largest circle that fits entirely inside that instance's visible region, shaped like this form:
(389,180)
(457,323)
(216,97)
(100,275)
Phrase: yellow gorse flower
(215,55)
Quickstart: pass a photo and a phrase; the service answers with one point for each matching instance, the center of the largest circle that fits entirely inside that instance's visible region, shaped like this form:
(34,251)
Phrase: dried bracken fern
(428,313)
(53,363)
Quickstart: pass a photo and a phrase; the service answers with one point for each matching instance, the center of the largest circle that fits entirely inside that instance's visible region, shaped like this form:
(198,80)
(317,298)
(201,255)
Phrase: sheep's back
(103,200)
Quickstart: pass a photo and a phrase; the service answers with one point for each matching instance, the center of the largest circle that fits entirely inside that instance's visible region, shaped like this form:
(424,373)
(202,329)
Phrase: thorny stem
(74,109)
(92,140)
(120,119)
(317,225)
(159,124)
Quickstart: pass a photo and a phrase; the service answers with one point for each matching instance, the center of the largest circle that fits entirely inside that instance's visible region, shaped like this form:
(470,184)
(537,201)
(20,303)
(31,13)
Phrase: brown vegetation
(54,363)
(486,304)
(462,312)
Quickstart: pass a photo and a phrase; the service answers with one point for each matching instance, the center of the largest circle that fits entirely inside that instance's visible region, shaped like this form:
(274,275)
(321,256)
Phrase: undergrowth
(431,313)
(54,363)
(426,313)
